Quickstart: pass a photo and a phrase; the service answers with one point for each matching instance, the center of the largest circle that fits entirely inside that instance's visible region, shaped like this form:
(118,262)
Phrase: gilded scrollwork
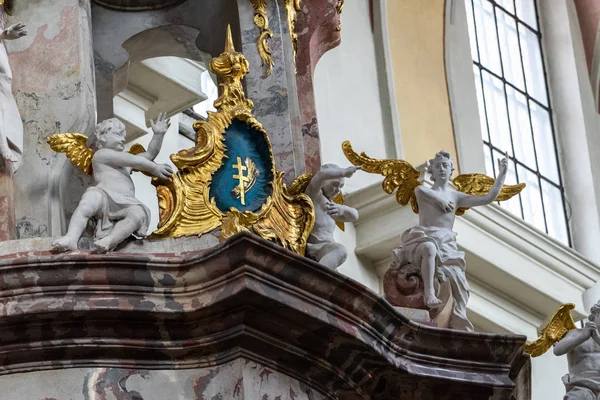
(261,20)
(293,7)
(339,8)
(185,203)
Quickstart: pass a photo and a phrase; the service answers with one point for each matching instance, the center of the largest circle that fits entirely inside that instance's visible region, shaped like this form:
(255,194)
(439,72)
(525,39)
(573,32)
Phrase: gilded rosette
(261,20)
(193,201)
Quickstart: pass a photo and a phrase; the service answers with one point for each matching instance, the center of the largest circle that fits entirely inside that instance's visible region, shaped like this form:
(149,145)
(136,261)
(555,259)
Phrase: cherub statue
(431,245)
(324,189)
(11,126)
(111,202)
(582,347)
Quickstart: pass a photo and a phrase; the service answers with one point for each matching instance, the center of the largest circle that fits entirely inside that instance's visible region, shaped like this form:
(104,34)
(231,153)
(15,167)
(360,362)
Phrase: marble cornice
(247,297)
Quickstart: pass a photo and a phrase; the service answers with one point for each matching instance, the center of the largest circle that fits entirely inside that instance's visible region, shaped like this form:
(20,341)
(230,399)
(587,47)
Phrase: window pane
(471,24)
(544,142)
(508,5)
(532,199)
(555,216)
(532,63)
(509,45)
(495,104)
(489,164)
(526,12)
(520,127)
(513,205)
(486,33)
(480,103)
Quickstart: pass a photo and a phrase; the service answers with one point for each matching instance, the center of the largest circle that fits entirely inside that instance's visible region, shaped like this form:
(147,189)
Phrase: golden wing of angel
(76,148)
(403,176)
(480,184)
(300,184)
(560,324)
(398,174)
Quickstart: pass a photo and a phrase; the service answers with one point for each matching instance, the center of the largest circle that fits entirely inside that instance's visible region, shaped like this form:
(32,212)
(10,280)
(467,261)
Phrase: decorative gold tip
(229,48)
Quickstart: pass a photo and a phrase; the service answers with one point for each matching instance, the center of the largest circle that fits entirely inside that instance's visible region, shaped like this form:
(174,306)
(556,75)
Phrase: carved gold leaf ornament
(402,176)
(261,20)
(8,6)
(293,7)
(560,324)
(339,8)
(184,201)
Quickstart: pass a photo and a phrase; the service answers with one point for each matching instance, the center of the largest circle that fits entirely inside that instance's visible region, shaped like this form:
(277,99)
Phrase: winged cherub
(582,347)
(111,202)
(431,245)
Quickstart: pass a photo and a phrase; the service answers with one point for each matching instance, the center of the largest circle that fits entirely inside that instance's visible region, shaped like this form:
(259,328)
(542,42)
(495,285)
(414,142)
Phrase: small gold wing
(560,324)
(480,184)
(75,146)
(300,184)
(398,174)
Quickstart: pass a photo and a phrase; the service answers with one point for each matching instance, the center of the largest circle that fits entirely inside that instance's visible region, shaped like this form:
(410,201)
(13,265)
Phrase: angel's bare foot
(431,301)
(8,155)
(102,246)
(64,244)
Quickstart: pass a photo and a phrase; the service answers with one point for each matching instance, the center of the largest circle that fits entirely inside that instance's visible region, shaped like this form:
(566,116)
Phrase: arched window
(515,108)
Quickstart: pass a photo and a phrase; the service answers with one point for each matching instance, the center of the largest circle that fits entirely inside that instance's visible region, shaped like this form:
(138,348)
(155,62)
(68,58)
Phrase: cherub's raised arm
(467,200)
(159,128)
(324,174)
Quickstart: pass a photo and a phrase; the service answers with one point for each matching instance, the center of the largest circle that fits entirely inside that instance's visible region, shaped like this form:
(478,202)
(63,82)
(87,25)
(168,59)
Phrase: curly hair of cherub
(102,128)
(439,157)
(595,310)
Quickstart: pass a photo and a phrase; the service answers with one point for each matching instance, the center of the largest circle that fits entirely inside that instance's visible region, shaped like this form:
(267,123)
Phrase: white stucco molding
(506,256)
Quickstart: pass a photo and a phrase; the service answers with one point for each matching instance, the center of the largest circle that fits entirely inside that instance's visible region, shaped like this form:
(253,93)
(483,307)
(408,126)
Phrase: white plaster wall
(347,94)
(349,107)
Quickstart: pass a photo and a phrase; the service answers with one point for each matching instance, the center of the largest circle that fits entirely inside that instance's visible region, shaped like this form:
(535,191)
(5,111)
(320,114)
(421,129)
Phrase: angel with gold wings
(111,202)
(431,245)
(582,347)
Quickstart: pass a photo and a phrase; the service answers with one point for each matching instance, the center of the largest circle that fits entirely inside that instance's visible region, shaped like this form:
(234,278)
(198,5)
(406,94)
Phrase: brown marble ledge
(244,298)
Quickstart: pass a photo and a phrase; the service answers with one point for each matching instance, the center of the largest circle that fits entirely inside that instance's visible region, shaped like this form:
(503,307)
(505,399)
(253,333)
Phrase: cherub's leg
(333,255)
(427,253)
(90,204)
(122,230)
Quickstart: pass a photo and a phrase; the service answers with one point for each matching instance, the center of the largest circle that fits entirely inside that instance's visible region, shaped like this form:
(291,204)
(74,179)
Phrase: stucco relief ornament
(111,202)
(582,347)
(325,191)
(429,251)
(11,126)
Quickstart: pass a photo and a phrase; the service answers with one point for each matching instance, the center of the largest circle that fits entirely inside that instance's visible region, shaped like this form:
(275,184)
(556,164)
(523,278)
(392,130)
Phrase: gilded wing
(300,184)
(75,146)
(480,184)
(398,174)
(560,323)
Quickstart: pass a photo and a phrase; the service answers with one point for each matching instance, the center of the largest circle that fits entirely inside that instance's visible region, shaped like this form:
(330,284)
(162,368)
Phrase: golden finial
(229,48)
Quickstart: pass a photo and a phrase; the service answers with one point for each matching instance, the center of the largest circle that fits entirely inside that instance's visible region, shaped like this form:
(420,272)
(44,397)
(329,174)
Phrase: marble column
(53,84)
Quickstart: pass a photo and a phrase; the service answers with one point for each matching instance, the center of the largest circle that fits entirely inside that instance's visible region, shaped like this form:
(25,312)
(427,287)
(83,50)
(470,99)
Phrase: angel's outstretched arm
(159,128)
(124,159)
(572,339)
(468,200)
(319,179)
